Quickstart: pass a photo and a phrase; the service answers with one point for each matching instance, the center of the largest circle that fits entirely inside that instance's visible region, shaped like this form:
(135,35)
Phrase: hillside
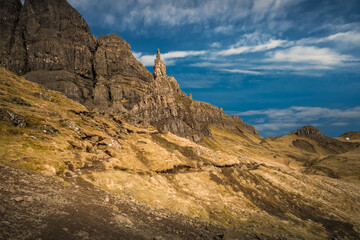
(48,42)
(235,185)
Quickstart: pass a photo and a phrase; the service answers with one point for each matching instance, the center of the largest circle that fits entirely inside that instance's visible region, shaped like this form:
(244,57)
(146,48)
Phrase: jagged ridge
(52,44)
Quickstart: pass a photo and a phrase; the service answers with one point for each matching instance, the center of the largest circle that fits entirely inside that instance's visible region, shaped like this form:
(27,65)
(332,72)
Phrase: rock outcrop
(9,17)
(48,42)
(53,46)
(307,130)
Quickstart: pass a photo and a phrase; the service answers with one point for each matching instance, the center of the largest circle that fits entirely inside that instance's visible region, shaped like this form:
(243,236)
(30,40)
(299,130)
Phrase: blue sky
(278,64)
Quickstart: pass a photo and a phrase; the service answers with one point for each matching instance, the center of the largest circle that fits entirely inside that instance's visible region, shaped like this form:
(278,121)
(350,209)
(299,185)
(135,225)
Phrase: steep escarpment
(50,43)
(53,45)
(9,16)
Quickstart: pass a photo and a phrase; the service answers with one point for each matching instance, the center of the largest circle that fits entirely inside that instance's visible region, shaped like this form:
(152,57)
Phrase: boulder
(12,117)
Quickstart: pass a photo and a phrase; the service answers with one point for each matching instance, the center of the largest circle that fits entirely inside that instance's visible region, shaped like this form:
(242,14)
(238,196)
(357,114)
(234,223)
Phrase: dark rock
(74,127)
(19,101)
(12,117)
(307,130)
(5,83)
(9,16)
(45,96)
(48,129)
(54,43)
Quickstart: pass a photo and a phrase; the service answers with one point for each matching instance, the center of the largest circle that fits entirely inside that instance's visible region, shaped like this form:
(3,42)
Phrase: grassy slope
(239,180)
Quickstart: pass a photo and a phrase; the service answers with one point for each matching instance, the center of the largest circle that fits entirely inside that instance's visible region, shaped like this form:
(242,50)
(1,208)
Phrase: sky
(278,64)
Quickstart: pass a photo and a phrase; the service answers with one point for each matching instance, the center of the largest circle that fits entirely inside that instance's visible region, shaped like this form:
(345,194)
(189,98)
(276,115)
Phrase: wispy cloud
(224,29)
(109,19)
(242,71)
(215,45)
(350,37)
(297,116)
(271,44)
(308,55)
(170,13)
(169,58)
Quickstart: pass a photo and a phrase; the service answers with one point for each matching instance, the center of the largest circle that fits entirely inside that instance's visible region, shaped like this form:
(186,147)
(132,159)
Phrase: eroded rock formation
(48,42)
(307,130)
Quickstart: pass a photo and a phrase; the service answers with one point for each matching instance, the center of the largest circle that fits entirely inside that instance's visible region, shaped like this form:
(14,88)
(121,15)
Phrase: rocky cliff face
(9,16)
(49,42)
(53,45)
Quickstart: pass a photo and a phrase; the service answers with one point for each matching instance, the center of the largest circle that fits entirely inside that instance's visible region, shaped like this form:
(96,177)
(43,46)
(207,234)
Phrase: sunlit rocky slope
(234,185)
(113,151)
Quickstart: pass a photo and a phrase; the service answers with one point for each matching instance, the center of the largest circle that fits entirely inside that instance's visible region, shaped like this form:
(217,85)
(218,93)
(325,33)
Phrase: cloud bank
(272,120)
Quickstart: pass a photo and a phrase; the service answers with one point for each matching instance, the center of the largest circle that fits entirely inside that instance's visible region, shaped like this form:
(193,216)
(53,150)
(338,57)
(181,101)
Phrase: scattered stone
(68,173)
(112,143)
(45,96)
(6,222)
(48,129)
(114,208)
(5,83)
(19,101)
(29,199)
(122,220)
(73,126)
(66,229)
(158,238)
(83,235)
(48,171)
(141,143)
(12,117)
(19,199)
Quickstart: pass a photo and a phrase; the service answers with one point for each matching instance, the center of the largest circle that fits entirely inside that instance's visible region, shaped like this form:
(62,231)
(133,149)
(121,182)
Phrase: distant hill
(352,135)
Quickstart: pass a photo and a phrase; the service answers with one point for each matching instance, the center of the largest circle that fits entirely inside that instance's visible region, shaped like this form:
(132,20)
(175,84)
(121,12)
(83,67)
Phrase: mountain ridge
(53,45)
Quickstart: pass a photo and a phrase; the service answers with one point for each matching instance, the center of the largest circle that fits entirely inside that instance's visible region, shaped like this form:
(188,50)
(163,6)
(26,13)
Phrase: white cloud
(292,67)
(249,72)
(224,29)
(137,55)
(309,55)
(350,37)
(299,112)
(109,19)
(212,64)
(181,54)
(271,44)
(147,60)
(169,58)
(276,126)
(215,45)
(169,13)
(340,124)
(277,119)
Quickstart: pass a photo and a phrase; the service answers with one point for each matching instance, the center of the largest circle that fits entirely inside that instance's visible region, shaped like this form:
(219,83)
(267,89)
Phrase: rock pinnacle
(159,67)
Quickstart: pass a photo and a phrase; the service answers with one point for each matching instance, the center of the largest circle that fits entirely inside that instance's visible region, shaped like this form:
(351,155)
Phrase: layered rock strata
(48,42)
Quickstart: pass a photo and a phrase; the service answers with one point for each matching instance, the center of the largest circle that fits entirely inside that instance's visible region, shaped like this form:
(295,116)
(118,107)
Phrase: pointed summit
(160,67)
(307,130)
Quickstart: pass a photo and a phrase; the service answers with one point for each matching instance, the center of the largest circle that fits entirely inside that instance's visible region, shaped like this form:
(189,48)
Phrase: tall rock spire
(160,67)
